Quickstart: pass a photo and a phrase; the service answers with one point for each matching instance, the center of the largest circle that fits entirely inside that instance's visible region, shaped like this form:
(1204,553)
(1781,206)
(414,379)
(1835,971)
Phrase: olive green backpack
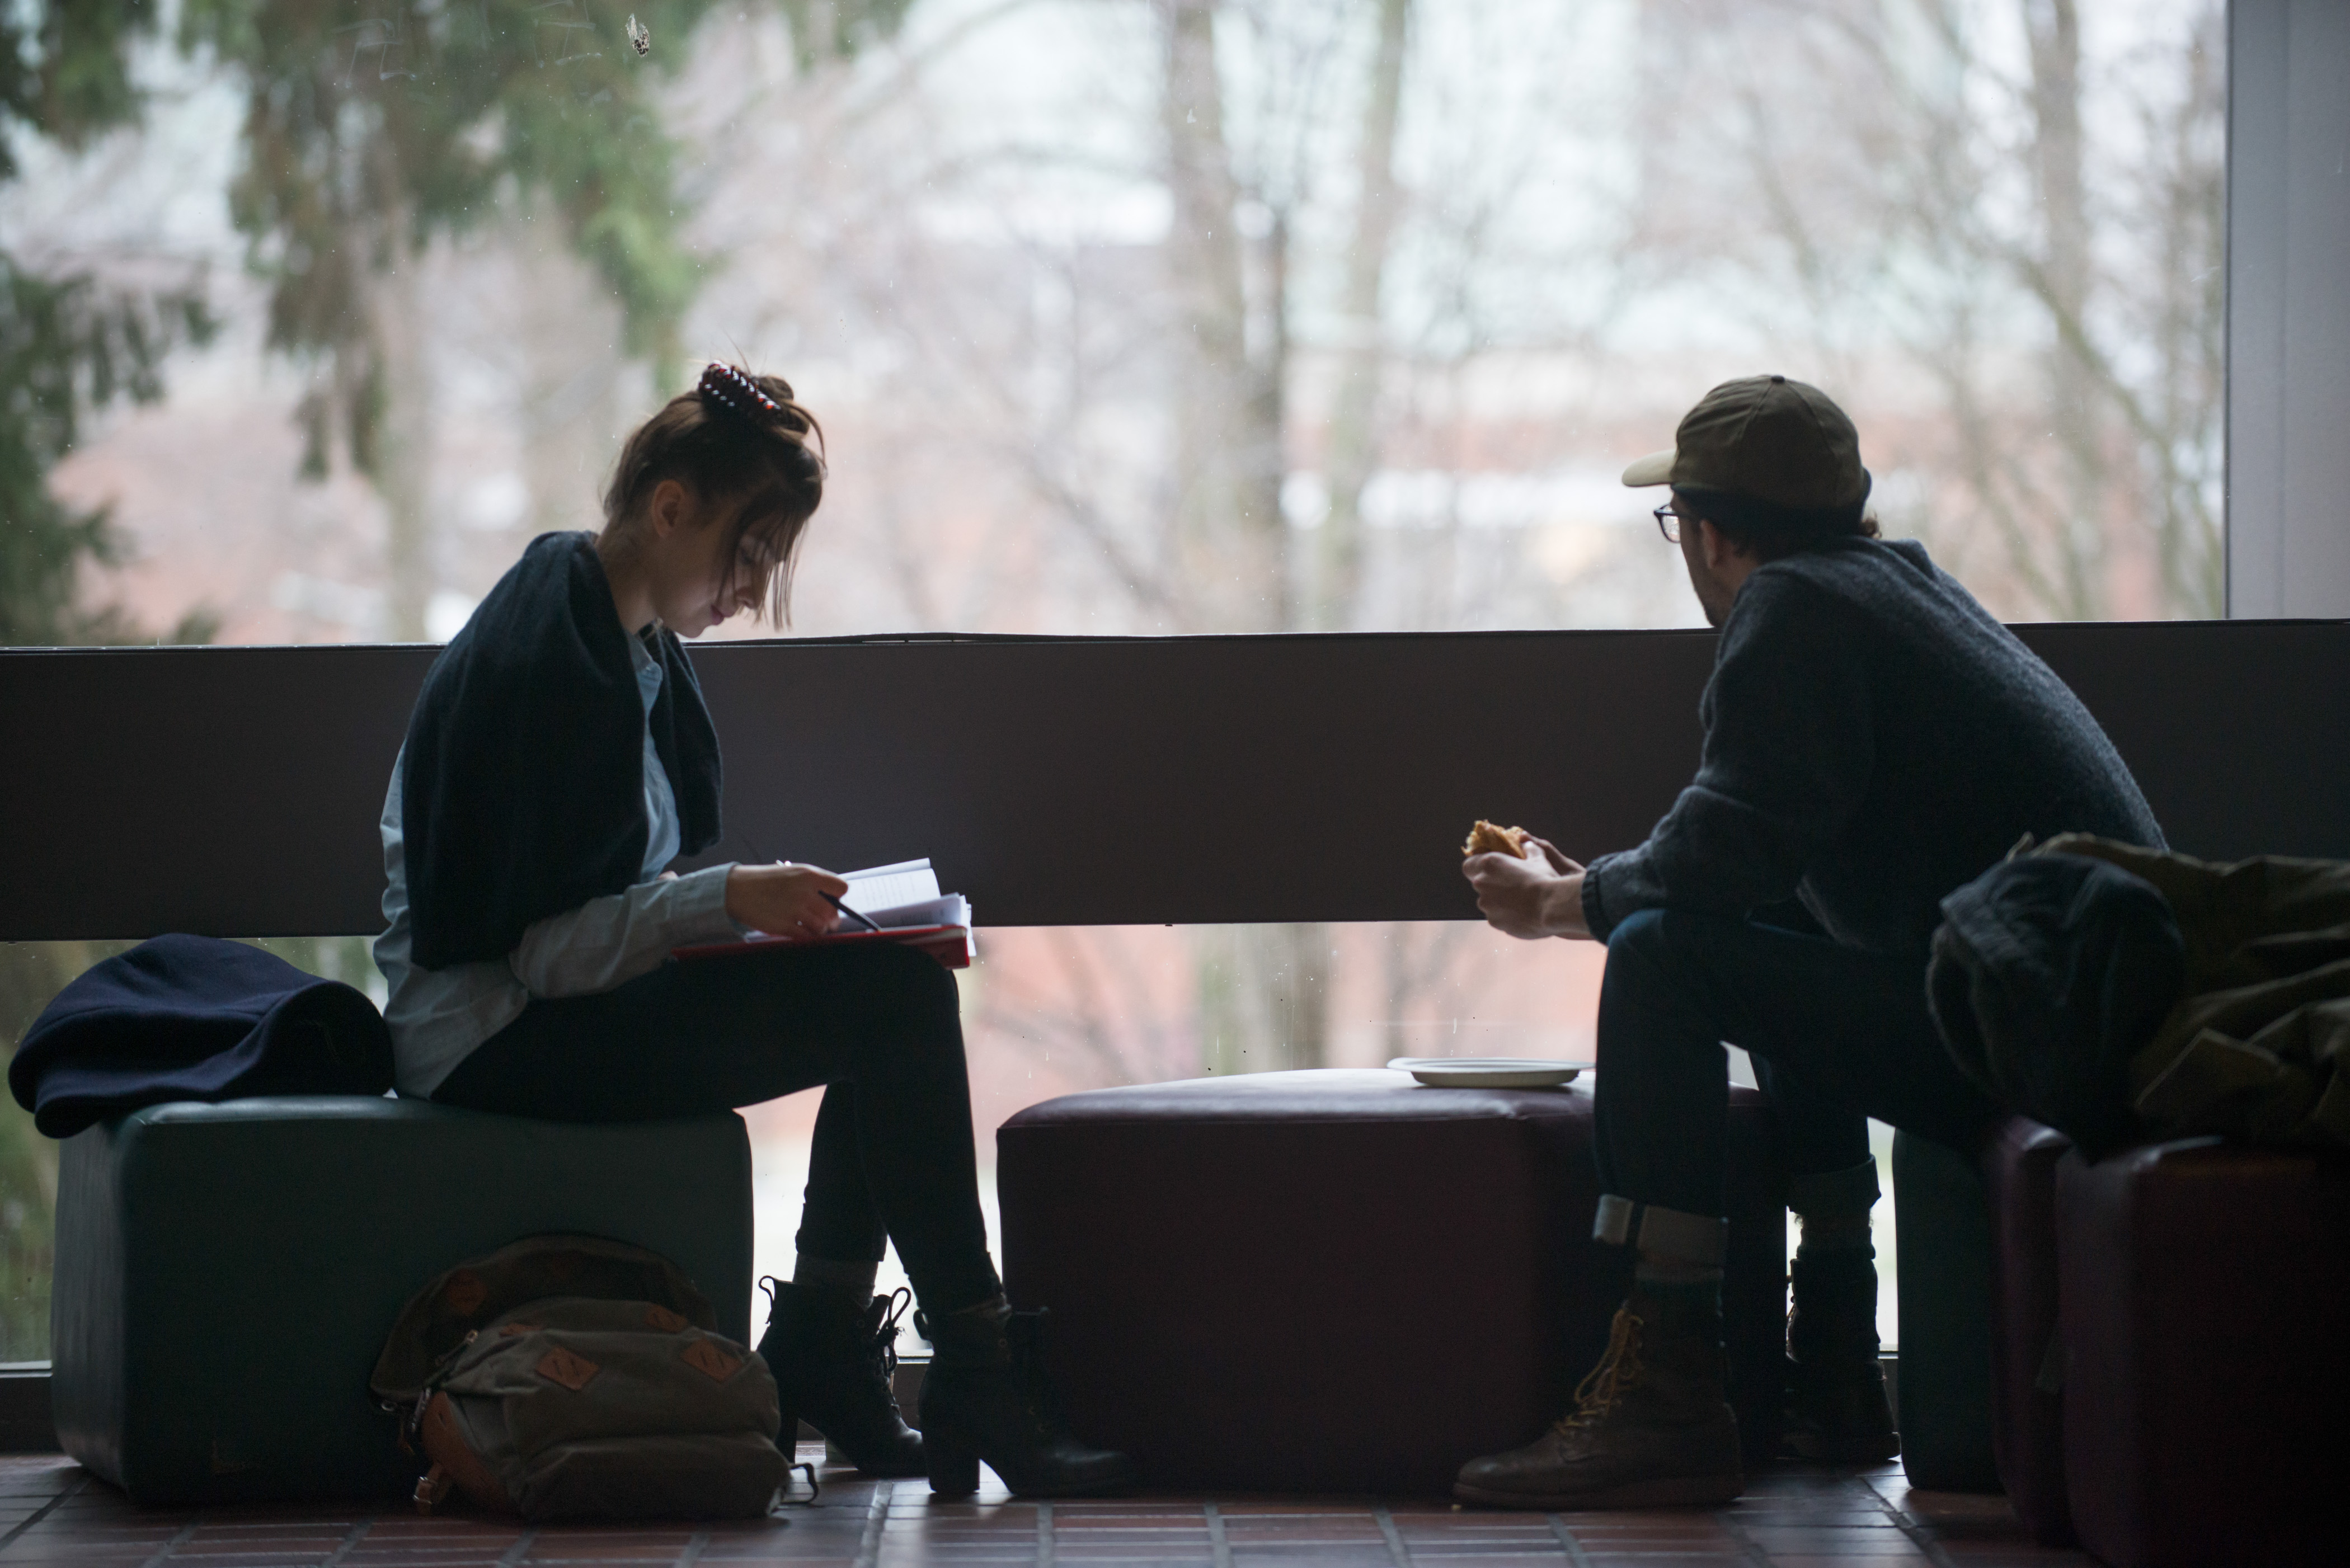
(574,1377)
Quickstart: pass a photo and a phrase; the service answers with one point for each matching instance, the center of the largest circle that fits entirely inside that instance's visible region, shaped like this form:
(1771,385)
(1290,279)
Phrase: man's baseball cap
(1767,439)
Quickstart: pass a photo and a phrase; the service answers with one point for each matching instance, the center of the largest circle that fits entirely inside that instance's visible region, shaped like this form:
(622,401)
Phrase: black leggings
(876,1024)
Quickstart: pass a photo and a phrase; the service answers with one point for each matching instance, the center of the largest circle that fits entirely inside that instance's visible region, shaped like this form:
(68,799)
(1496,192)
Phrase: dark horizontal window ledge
(1215,771)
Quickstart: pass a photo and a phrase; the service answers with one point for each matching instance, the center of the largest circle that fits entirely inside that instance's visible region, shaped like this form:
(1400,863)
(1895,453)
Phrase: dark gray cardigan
(523,791)
(1874,738)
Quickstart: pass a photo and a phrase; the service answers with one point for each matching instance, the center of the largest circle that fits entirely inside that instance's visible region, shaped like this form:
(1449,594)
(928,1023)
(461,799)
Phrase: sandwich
(1485,838)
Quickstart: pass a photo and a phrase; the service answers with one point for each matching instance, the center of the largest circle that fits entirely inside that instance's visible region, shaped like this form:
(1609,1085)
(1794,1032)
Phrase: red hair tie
(730,388)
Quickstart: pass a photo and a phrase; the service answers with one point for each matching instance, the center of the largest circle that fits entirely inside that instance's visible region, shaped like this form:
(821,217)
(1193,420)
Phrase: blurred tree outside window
(1125,314)
(1122,317)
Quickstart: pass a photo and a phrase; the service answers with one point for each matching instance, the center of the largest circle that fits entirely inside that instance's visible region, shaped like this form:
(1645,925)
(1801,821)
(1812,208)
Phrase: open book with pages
(903,900)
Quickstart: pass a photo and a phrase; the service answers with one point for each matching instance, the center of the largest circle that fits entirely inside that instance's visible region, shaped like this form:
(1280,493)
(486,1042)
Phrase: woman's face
(698,574)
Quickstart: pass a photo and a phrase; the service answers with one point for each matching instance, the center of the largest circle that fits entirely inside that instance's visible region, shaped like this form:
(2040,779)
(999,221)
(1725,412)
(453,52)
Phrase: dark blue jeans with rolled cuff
(1837,1036)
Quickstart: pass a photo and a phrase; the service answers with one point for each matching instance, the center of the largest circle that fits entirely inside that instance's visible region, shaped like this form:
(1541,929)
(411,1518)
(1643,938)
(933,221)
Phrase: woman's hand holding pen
(784,900)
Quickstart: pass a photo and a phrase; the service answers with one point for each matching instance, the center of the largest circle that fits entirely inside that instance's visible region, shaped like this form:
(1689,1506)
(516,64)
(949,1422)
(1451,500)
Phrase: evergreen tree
(69,344)
(364,138)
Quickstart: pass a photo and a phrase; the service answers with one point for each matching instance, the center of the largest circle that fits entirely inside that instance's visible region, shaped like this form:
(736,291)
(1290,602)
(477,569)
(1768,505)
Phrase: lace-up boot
(987,1397)
(833,1351)
(1836,1410)
(1650,1428)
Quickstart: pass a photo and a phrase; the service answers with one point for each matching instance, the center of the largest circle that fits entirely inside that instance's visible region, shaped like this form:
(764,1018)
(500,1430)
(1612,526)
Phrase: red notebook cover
(950,945)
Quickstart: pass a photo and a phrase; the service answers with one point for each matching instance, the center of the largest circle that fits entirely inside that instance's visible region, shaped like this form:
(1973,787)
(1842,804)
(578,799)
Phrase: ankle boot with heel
(987,1396)
(833,1352)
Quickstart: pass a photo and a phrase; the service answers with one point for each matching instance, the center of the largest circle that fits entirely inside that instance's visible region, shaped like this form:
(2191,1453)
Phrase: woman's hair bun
(731,388)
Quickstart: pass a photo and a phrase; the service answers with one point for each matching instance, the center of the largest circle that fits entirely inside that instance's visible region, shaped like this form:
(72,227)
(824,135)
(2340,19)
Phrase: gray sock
(1834,1207)
(1823,1233)
(854,1277)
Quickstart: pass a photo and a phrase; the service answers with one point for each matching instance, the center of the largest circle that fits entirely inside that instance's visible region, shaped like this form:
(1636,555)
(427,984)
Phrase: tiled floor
(52,1513)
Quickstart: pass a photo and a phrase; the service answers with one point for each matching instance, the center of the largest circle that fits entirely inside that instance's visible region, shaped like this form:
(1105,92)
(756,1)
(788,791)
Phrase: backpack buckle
(433,1489)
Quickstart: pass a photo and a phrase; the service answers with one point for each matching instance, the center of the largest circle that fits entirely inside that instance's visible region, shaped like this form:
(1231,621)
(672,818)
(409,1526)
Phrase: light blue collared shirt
(438,1016)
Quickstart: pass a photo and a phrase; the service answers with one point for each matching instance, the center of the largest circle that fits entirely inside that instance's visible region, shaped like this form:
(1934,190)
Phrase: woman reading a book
(560,757)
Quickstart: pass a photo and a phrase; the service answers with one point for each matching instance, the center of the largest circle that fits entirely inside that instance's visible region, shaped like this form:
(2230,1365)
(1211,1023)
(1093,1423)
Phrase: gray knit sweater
(1873,740)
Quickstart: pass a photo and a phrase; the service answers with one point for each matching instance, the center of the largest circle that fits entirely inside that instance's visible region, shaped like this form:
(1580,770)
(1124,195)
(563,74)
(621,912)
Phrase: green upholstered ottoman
(226,1273)
(1943,1242)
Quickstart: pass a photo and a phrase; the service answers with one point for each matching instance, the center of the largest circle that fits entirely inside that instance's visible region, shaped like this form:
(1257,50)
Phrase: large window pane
(1122,315)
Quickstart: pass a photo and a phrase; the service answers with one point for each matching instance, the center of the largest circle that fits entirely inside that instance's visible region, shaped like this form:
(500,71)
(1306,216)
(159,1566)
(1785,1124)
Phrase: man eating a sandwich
(1873,739)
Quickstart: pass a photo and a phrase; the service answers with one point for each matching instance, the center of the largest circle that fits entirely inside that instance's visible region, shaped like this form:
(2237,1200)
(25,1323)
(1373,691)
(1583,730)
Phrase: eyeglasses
(1669,522)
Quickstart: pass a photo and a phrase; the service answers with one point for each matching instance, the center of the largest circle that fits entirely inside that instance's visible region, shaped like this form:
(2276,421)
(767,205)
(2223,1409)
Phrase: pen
(829,898)
(850,913)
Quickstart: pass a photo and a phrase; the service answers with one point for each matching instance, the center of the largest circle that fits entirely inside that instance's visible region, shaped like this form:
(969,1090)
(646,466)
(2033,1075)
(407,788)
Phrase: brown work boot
(1836,1408)
(1650,1426)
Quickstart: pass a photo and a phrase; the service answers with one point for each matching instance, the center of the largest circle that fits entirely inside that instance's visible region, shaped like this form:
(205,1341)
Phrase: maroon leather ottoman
(2204,1293)
(2027,1404)
(1340,1280)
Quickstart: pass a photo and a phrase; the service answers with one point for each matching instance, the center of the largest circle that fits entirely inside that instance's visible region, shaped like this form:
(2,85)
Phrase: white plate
(1490,1071)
